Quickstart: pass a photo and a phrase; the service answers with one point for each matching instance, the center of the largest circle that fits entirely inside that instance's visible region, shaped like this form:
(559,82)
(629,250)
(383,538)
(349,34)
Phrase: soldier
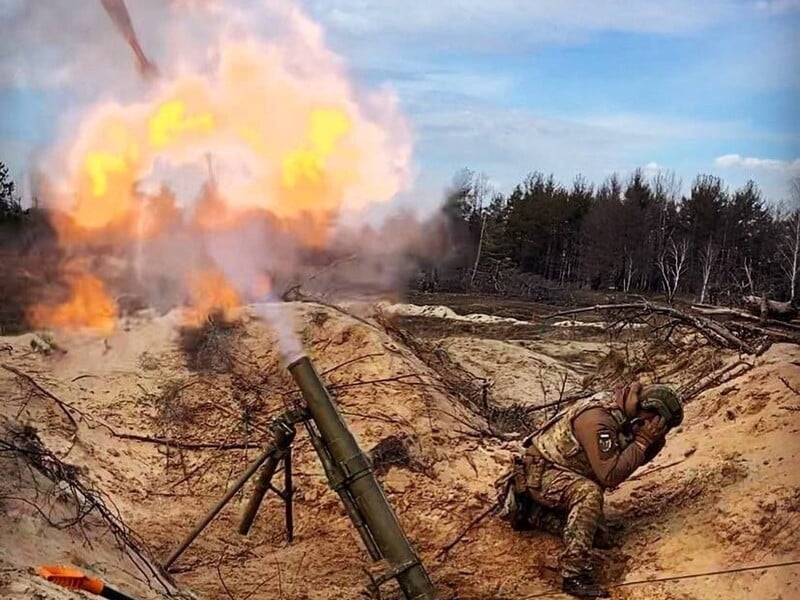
(596,444)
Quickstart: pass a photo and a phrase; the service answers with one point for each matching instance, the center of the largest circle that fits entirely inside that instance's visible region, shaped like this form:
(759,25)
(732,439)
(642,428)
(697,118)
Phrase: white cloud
(778,7)
(489,24)
(507,144)
(652,168)
(669,128)
(772,175)
(753,163)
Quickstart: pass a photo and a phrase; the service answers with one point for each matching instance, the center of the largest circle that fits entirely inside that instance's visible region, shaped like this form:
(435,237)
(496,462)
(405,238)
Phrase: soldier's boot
(583,586)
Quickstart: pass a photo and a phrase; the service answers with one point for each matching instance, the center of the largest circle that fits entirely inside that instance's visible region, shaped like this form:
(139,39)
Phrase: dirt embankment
(723,494)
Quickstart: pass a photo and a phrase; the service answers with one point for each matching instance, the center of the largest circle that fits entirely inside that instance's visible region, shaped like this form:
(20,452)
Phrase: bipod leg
(283,433)
(288,494)
(263,485)
(209,516)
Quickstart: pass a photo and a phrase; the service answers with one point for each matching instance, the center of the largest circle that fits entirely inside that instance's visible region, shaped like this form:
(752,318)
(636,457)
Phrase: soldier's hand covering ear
(630,398)
(653,430)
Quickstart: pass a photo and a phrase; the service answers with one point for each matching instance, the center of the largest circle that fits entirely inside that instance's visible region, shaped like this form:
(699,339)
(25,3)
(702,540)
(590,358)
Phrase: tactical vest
(556,441)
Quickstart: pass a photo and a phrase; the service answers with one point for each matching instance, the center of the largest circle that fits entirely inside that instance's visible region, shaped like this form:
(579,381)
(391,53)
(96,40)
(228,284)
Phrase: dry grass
(209,348)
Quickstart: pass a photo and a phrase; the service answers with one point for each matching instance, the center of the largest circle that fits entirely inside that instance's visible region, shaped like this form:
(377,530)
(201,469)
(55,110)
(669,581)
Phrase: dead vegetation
(470,390)
(58,493)
(726,328)
(396,451)
(171,407)
(210,346)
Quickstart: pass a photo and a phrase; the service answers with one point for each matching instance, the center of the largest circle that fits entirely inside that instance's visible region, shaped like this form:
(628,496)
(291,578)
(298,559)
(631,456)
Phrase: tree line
(635,235)
(639,234)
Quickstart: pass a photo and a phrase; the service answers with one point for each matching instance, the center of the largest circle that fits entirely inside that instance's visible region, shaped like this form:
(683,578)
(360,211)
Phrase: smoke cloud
(251,163)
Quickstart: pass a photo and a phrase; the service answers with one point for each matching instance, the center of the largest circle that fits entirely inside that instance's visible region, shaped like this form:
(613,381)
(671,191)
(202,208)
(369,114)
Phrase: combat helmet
(664,400)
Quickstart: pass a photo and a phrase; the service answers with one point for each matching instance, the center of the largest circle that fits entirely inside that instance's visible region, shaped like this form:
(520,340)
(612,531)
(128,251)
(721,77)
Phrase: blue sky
(587,87)
(575,86)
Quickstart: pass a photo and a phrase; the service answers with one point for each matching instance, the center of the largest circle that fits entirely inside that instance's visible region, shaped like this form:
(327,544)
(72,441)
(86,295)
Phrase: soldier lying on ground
(559,479)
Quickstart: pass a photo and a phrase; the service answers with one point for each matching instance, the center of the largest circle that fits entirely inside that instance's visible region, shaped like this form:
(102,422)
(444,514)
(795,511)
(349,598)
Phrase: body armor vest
(556,441)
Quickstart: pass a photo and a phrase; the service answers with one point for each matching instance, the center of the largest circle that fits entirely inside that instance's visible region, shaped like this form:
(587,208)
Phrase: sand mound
(441,312)
(517,374)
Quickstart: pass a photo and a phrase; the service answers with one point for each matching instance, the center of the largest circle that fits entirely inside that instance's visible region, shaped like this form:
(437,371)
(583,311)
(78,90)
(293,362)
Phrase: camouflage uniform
(556,473)
(579,498)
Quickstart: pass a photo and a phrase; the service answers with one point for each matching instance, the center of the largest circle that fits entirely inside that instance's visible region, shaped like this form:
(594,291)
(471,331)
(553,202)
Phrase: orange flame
(210,292)
(170,122)
(301,155)
(89,306)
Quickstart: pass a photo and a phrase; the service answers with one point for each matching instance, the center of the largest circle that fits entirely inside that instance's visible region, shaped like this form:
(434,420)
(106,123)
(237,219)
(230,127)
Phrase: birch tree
(708,255)
(480,191)
(790,242)
(672,266)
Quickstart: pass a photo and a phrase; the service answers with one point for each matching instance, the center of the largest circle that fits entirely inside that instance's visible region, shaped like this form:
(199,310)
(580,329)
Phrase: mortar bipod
(283,433)
(283,430)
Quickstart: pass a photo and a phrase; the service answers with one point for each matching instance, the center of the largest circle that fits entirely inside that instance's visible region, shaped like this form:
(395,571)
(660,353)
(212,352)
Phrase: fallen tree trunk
(736,313)
(773,334)
(716,378)
(782,311)
(714,331)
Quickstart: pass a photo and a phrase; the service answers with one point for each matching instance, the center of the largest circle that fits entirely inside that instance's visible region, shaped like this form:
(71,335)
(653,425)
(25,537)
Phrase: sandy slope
(732,501)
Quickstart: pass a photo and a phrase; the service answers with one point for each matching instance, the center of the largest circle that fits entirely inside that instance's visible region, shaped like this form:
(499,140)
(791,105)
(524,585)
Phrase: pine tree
(10,207)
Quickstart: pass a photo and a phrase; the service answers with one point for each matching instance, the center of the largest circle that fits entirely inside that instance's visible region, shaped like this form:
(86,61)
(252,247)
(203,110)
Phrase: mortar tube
(335,480)
(360,481)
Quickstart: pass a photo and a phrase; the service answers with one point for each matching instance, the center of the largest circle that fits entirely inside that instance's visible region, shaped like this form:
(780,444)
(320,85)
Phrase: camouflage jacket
(556,441)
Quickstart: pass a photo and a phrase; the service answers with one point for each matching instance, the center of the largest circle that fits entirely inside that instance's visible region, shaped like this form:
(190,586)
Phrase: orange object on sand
(71,578)
(74,579)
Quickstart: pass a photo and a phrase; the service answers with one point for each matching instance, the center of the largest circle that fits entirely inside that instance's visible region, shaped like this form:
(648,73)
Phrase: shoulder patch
(605,441)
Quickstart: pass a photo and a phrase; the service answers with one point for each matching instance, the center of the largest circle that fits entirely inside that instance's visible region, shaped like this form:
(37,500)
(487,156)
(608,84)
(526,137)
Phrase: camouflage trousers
(575,506)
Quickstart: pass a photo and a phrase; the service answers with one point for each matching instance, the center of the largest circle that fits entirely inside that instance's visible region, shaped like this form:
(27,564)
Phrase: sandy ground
(724,494)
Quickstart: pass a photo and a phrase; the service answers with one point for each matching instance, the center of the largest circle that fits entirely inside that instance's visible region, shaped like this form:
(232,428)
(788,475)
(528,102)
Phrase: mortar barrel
(360,481)
(335,478)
